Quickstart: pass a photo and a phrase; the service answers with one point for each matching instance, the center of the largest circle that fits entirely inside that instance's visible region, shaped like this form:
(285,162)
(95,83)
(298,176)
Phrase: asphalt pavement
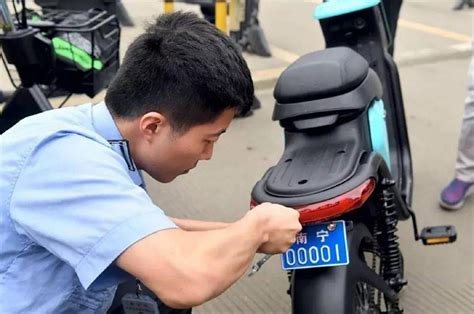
(433,52)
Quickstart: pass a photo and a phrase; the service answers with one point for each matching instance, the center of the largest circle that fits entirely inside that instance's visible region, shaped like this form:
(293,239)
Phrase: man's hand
(280,226)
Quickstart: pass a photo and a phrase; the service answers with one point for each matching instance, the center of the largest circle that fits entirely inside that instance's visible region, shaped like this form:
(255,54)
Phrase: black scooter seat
(325,82)
(321,74)
(313,164)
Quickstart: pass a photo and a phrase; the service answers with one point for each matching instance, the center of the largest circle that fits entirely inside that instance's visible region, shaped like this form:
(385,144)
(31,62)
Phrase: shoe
(459,5)
(244,115)
(454,195)
(255,105)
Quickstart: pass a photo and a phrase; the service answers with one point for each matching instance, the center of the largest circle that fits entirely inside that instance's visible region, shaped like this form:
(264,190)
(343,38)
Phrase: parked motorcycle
(346,167)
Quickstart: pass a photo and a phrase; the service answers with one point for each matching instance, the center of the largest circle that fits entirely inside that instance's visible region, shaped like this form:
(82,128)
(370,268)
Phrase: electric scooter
(346,167)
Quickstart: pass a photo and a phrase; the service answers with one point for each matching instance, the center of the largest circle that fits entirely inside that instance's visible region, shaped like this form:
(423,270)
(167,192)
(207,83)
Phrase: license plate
(318,245)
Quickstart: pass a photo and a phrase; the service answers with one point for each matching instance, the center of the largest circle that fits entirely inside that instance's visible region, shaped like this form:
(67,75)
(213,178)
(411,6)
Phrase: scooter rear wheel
(355,288)
(368,299)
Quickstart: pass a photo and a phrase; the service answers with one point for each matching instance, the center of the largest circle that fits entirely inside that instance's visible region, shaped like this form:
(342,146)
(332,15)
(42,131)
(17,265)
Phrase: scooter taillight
(334,207)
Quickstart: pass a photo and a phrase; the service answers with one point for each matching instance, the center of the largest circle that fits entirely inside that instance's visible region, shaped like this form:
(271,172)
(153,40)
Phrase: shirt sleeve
(74,197)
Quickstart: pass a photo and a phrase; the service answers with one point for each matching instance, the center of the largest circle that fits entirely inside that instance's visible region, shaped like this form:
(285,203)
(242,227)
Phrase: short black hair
(184,68)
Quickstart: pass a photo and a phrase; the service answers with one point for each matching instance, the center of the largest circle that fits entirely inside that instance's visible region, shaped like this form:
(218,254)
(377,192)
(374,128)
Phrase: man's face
(168,154)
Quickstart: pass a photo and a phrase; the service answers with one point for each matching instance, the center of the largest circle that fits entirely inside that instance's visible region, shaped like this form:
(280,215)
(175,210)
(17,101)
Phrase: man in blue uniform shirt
(75,218)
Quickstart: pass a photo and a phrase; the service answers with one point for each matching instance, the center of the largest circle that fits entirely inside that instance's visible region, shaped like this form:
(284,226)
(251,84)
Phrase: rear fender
(331,289)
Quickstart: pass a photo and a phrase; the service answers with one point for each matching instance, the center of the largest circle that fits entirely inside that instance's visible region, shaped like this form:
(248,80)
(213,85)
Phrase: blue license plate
(318,245)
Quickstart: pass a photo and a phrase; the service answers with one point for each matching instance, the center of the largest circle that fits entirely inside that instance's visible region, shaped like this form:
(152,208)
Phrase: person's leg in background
(454,195)
(209,12)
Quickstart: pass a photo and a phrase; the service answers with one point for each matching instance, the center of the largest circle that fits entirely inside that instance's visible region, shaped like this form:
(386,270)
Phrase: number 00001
(314,254)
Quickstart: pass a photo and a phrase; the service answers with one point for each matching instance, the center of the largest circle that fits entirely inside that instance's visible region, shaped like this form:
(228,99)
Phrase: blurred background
(433,50)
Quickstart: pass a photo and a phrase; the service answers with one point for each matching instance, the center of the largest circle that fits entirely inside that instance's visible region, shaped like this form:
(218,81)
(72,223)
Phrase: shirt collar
(105,126)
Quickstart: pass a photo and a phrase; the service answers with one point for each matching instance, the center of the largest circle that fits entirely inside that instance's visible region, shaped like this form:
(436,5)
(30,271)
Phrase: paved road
(431,46)
(440,278)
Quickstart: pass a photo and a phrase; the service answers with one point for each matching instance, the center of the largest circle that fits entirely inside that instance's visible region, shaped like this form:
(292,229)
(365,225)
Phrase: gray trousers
(465,160)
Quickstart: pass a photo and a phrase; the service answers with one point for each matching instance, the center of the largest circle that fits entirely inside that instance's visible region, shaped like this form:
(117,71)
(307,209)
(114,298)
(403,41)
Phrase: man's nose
(207,154)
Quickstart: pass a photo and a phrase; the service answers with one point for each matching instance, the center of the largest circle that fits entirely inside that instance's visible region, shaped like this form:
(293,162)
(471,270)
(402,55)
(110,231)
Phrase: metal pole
(221,15)
(169,6)
(236,15)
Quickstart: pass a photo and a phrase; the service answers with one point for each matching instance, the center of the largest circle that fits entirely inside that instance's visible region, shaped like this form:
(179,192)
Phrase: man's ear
(152,124)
